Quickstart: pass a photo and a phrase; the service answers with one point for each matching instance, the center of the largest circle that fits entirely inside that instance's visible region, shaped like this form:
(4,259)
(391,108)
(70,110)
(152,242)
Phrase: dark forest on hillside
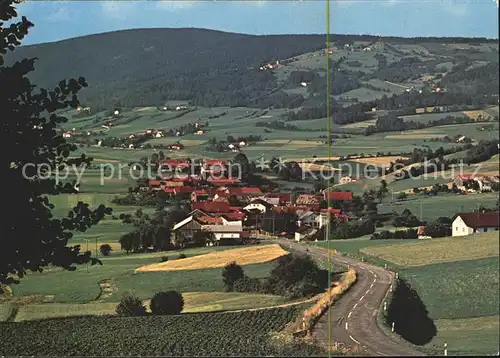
(147,67)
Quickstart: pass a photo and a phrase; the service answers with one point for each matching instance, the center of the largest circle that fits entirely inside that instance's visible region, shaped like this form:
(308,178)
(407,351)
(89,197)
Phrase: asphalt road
(352,320)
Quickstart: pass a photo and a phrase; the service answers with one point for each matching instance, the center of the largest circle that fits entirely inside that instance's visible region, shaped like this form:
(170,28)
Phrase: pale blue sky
(56,20)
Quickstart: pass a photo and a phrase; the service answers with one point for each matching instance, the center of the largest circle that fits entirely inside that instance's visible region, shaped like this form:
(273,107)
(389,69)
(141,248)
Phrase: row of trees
(162,303)
(293,276)
(392,123)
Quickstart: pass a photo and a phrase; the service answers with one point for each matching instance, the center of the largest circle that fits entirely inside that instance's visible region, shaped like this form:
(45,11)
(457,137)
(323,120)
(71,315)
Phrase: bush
(167,303)
(247,284)
(130,306)
(399,235)
(231,273)
(181,256)
(164,259)
(105,249)
(296,276)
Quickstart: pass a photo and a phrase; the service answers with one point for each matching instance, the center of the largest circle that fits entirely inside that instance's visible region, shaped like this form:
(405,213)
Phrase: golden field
(318,167)
(243,256)
(428,252)
(378,161)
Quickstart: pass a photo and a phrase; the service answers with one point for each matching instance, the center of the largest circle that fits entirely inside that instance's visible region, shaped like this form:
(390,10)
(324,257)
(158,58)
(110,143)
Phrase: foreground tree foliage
(30,237)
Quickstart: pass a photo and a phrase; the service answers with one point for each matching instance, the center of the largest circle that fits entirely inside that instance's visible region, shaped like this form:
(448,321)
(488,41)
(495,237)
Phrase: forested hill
(149,66)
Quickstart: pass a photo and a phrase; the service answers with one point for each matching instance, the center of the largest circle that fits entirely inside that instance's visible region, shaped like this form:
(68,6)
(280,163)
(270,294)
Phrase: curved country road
(353,317)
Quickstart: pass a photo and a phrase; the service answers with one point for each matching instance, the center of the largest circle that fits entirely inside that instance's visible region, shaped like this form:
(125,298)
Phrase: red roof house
(223,181)
(212,207)
(480,220)
(337,195)
(245,191)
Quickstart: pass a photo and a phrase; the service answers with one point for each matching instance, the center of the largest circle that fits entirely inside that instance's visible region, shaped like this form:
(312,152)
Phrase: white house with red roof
(470,223)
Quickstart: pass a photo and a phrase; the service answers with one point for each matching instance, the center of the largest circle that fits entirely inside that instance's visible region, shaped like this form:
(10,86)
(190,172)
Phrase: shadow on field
(410,316)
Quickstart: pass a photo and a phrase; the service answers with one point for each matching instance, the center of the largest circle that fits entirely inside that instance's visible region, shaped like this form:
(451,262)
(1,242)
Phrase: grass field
(451,249)
(193,302)
(242,256)
(84,287)
(467,336)
(355,245)
(442,205)
(460,289)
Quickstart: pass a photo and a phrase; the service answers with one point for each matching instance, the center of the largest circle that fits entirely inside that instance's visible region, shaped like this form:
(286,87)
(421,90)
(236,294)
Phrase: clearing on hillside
(243,256)
(421,253)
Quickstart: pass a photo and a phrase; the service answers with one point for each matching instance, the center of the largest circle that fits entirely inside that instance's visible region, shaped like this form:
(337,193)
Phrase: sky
(57,20)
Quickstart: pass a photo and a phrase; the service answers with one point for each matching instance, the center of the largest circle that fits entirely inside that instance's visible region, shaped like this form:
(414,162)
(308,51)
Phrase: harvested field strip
(313,159)
(378,160)
(363,124)
(422,253)
(243,256)
(414,136)
(318,167)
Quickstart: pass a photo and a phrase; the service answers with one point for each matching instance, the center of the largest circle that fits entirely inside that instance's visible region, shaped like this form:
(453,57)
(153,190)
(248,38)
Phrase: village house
(467,182)
(337,195)
(303,233)
(173,164)
(67,134)
(306,218)
(283,198)
(199,224)
(258,204)
(308,200)
(176,146)
(347,180)
(470,223)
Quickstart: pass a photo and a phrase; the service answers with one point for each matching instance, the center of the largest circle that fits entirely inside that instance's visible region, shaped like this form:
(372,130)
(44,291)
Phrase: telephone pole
(420,210)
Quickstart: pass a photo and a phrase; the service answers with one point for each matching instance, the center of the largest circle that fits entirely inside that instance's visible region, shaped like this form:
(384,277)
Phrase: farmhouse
(475,182)
(471,223)
(259,204)
(306,218)
(201,225)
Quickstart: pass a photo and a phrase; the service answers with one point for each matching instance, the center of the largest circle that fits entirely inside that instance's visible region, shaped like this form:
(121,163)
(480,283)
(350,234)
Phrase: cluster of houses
(230,210)
(476,183)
